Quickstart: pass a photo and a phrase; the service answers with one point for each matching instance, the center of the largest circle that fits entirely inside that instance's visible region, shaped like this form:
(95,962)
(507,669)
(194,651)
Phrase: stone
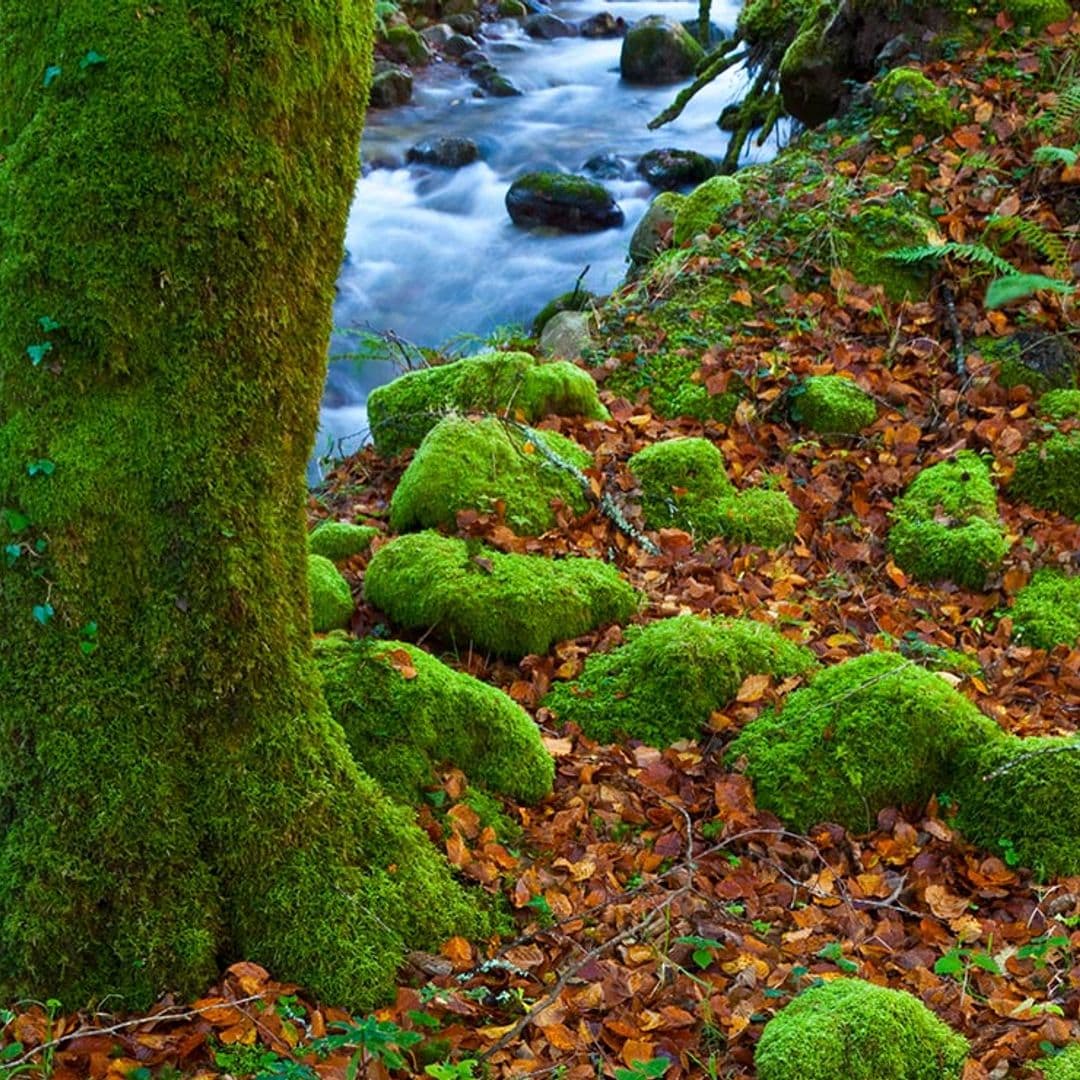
(390,88)
(603,25)
(562,201)
(658,50)
(447,151)
(547,27)
(566,335)
(654,229)
(669,168)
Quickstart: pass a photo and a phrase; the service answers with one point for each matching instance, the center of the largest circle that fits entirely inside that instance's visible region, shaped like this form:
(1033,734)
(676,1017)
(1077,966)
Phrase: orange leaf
(753,688)
(741,296)
(458,951)
(402,662)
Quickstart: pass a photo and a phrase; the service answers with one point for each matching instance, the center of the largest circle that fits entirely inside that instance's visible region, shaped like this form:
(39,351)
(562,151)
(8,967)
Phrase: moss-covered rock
(705,205)
(670,676)
(1046,612)
(684,485)
(658,50)
(1038,360)
(1022,796)
(869,733)
(407,46)
(402,412)
(1046,474)
(405,713)
(907,103)
(509,605)
(340,540)
(1060,405)
(668,168)
(832,405)
(467,464)
(1037,15)
(575,300)
(848,1029)
(946,525)
(331,598)
(653,228)
(562,201)
(1065,1066)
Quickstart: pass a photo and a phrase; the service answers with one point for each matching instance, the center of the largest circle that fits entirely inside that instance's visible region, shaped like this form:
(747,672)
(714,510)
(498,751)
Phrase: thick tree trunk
(173,190)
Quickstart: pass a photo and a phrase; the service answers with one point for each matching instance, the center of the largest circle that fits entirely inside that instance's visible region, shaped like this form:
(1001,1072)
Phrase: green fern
(978,254)
(1055,155)
(1065,113)
(1037,237)
(1006,290)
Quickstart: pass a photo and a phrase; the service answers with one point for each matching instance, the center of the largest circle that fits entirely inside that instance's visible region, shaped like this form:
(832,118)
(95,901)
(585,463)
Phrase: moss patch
(667,679)
(853,1029)
(1066,1066)
(832,405)
(473,464)
(1060,405)
(331,598)
(871,732)
(1046,611)
(704,206)
(908,103)
(1046,474)
(404,411)
(405,713)
(684,485)
(946,526)
(510,605)
(339,540)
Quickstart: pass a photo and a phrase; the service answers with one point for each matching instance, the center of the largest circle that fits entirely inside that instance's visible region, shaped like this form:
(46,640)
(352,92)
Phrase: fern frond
(1050,246)
(1065,112)
(1055,155)
(979,254)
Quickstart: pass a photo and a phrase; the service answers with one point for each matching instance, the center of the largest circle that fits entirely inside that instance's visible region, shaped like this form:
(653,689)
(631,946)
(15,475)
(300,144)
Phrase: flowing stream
(432,253)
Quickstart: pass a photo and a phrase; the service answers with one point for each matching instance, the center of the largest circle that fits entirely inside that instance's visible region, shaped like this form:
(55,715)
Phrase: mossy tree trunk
(174,183)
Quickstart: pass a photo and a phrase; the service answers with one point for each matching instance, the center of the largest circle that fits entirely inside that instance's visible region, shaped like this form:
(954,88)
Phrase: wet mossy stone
(467,464)
(832,405)
(658,50)
(848,1029)
(508,605)
(407,46)
(1060,405)
(562,201)
(1022,796)
(946,525)
(907,103)
(869,733)
(574,300)
(1046,611)
(653,228)
(402,412)
(684,485)
(669,168)
(1046,474)
(704,206)
(670,676)
(446,151)
(1065,1066)
(1038,360)
(340,540)
(405,713)
(331,598)
(1037,15)
(391,87)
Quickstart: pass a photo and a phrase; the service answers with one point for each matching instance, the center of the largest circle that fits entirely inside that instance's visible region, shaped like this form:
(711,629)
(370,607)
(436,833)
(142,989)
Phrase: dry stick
(714,68)
(1001,770)
(960,358)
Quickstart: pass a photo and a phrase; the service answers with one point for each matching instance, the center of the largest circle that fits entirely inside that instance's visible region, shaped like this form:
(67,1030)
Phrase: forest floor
(661,916)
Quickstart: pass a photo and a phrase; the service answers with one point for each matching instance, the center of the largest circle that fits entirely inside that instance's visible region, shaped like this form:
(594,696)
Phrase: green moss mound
(1066,1066)
(339,540)
(946,526)
(1046,612)
(1041,361)
(854,1030)
(404,411)
(705,205)
(872,732)
(832,405)
(668,677)
(509,605)
(404,713)
(1020,796)
(1060,405)
(1037,15)
(1046,474)
(331,598)
(684,485)
(467,464)
(908,103)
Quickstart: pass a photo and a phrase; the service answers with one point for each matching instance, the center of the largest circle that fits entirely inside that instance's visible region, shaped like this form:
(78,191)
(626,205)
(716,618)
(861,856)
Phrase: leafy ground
(660,916)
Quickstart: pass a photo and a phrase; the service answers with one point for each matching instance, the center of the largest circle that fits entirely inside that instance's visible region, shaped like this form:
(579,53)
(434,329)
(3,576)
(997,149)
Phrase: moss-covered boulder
(652,230)
(405,713)
(1021,797)
(467,464)
(1065,1066)
(1060,405)
(705,205)
(575,300)
(340,540)
(684,485)
(1046,612)
(509,605)
(832,405)
(869,733)
(561,201)
(658,50)
(848,1029)
(668,168)
(407,46)
(946,525)
(670,676)
(1046,474)
(907,103)
(331,598)
(402,412)
(1036,359)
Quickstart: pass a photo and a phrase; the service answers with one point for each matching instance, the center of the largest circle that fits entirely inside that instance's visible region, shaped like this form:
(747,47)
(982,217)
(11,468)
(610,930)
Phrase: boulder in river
(669,168)
(547,27)
(459,45)
(607,167)
(448,152)
(658,50)
(570,203)
(488,77)
(407,46)
(390,87)
(603,25)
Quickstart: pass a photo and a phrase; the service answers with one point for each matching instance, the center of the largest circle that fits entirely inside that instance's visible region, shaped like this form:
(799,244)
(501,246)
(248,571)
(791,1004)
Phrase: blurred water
(432,253)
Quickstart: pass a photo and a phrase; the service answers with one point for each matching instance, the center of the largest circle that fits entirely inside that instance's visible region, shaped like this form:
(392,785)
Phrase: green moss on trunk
(173,793)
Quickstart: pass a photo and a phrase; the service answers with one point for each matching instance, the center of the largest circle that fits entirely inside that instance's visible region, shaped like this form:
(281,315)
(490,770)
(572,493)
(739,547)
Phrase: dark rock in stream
(460,45)
(668,169)
(607,167)
(658,50)
(448,152)
(390,87)
(547,27)
(486,75)
(570,203)
(603,25)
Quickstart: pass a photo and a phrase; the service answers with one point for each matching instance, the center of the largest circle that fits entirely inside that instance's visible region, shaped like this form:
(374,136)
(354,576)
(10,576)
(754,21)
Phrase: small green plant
(371,1039)
(543,910)
(834,951)
(459,1070)
(239,1059)
(644,1070)
(703,954)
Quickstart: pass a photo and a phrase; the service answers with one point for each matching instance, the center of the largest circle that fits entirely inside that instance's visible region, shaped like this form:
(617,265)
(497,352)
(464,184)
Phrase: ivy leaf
(43,613)
(37,353)
(52,73)
(48,324)
(42,467)
(91,59)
